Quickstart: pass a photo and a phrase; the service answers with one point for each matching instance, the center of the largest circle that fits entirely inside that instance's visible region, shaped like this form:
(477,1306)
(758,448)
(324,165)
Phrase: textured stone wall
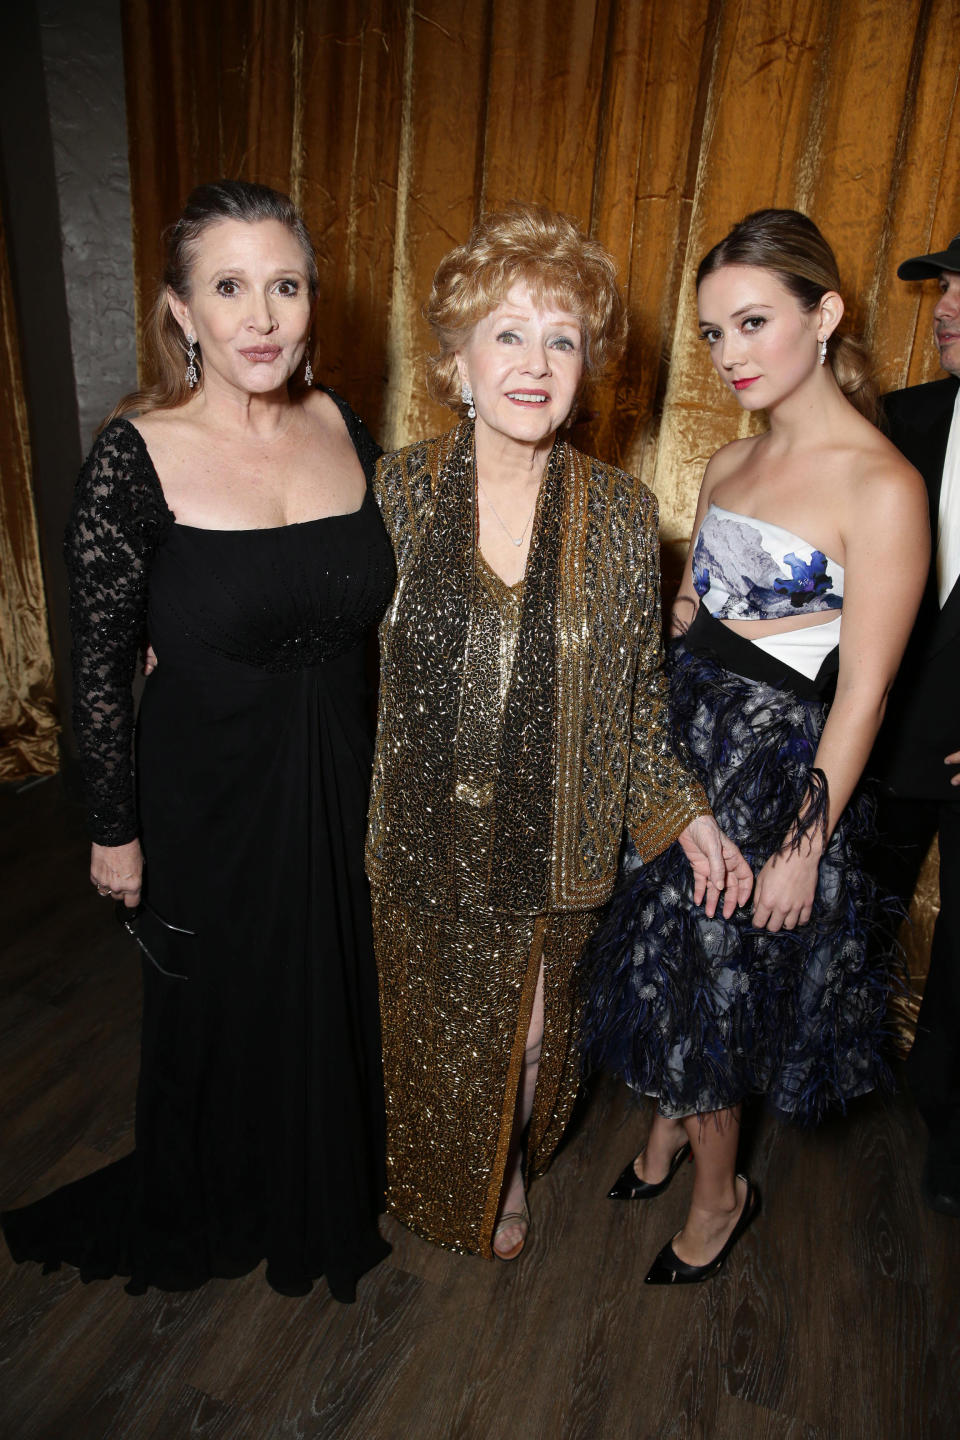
(83,67)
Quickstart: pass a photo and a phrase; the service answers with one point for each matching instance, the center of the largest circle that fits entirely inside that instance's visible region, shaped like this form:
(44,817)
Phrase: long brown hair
(790,245)
(166,353)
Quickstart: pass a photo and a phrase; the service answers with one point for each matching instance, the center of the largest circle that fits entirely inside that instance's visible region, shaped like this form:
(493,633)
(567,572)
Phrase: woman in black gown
(233,518)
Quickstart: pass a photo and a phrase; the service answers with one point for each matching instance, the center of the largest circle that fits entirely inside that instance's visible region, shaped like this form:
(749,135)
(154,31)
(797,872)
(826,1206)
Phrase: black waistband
(708,637)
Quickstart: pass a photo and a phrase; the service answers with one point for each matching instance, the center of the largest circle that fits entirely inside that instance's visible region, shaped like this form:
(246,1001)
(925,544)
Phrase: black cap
(921,267)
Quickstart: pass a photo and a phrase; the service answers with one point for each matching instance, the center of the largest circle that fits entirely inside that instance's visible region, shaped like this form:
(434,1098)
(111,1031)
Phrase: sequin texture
(501,791)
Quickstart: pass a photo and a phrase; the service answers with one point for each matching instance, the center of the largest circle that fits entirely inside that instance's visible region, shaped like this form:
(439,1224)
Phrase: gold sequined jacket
(584,747)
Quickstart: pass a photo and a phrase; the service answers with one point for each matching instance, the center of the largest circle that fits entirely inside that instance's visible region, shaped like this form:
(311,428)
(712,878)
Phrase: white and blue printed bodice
(749,569)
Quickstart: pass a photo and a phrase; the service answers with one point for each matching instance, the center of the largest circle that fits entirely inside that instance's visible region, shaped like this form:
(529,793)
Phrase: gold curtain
(657,125)
(28,723)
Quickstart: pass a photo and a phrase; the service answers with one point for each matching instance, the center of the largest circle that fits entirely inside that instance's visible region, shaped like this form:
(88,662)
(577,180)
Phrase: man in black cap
(918,752)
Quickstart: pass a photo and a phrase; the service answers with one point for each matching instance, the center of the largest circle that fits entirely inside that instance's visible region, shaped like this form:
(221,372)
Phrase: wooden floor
(838,1316)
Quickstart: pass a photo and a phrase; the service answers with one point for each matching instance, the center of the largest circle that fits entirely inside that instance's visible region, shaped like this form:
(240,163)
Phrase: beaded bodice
(277,599)
(488,669)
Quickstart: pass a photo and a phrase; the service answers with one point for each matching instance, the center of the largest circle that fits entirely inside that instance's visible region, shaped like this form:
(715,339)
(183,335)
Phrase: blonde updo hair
(547,252)
(788,243)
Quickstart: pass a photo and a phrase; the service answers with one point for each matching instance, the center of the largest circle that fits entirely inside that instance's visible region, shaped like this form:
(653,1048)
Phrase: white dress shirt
(948,519)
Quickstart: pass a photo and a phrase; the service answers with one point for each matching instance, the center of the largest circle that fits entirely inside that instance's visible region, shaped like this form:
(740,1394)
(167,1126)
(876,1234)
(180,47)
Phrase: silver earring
(466,395)
(192,374)
(308,373)
(823,351)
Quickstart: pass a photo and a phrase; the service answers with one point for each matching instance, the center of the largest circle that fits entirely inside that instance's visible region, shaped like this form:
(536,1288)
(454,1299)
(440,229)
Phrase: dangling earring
(192,374)
(823,351)
(466,395)
(308,372)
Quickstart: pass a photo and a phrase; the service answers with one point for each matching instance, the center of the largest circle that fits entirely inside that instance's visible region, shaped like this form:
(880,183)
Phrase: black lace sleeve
(368,451)
(119,516)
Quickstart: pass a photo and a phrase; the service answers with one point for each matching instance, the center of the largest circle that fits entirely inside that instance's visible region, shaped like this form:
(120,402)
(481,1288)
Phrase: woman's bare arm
(887,545)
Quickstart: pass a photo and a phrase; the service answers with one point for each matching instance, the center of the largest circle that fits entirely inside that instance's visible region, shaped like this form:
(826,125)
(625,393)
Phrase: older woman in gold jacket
(522,728)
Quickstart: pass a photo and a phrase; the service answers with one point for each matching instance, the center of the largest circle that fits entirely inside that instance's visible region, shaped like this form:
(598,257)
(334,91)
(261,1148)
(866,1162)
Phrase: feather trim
(701,1012)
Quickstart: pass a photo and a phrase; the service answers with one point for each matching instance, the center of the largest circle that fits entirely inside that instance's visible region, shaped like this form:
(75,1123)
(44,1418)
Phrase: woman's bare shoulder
(876,465)
(880,493)
(160,428)
(321,407)
(144,423)
(727,461)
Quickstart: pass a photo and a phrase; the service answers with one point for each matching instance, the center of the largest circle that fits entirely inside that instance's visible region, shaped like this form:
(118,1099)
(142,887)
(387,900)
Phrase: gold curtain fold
(657,125)
(28,718)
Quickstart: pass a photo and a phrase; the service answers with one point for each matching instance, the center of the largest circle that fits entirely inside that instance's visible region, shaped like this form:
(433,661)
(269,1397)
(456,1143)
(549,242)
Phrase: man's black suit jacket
(922,723)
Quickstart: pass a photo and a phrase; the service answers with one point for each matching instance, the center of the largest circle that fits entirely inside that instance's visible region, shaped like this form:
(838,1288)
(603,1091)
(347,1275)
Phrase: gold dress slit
(455,1080)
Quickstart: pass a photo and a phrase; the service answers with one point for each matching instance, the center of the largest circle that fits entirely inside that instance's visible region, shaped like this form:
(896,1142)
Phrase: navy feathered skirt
(702,1013)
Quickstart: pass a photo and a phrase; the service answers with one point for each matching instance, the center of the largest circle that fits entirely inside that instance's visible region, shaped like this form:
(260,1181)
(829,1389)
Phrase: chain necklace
(518,542)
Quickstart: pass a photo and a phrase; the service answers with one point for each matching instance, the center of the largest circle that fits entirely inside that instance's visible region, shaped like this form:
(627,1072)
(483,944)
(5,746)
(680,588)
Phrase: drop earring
(466,395)
(193,375)
(308,372)
(823,351)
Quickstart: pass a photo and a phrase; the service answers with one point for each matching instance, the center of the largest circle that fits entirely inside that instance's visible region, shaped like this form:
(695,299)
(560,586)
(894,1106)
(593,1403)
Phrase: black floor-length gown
(259,1118)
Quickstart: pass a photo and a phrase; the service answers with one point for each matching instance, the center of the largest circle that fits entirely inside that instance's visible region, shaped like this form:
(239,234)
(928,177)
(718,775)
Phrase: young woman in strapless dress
(809,557)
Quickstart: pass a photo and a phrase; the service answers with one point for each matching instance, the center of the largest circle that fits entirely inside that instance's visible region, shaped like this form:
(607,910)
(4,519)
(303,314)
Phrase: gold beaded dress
(520,729)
